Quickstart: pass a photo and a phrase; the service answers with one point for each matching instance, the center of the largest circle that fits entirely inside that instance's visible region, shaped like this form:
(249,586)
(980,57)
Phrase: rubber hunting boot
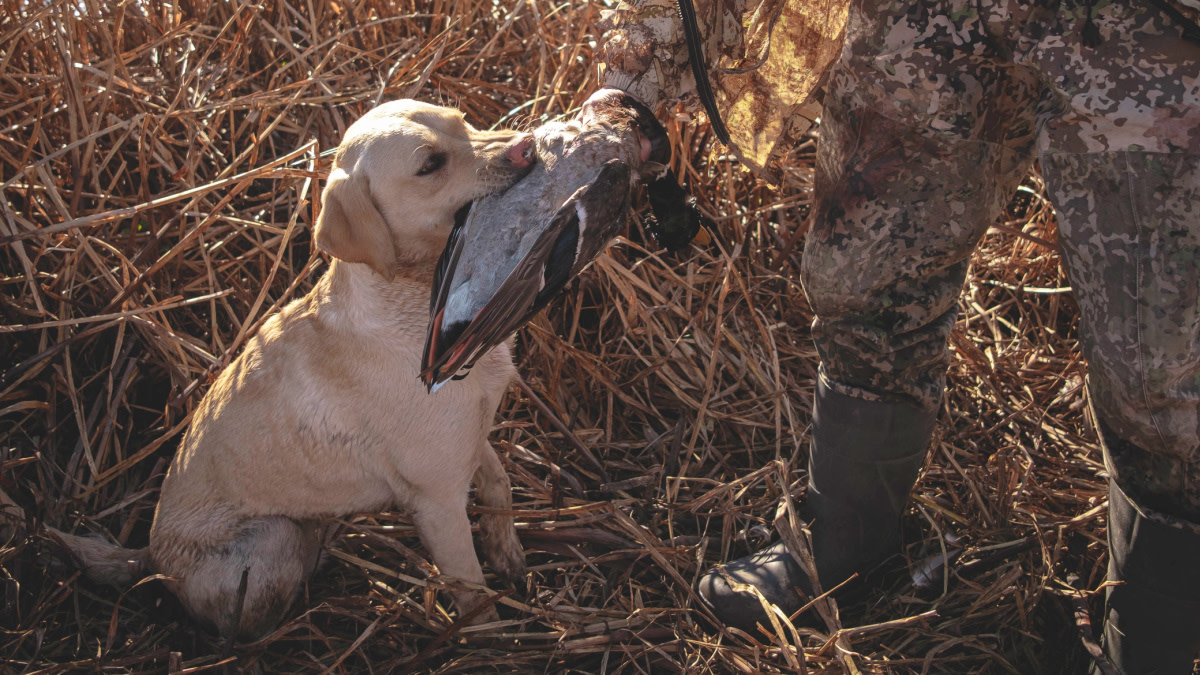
(863,461)
(1152,617)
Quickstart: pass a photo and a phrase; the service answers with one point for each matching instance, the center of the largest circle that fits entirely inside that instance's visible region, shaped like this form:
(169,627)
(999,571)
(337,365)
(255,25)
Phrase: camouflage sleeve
(642,52)
(765,59)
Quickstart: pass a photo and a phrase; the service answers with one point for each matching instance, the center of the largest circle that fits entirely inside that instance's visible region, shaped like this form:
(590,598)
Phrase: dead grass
(159,168)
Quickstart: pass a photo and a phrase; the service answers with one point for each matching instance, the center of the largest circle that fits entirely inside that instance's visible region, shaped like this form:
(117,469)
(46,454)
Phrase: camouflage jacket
(766,61)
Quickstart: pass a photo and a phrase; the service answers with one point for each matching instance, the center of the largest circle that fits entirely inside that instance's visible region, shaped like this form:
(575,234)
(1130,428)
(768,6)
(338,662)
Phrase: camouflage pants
(933,116)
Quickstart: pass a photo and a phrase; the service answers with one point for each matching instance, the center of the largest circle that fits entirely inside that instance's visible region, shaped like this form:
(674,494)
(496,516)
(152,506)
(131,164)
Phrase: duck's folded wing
(442,278)
(591,212)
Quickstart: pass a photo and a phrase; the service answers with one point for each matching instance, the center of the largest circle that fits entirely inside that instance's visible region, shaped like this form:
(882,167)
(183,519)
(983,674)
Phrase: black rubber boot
(863,461)
(1152,618)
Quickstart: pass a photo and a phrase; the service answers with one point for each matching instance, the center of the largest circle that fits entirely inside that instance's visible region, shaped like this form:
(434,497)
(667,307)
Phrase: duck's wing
(593,211)
(443,276)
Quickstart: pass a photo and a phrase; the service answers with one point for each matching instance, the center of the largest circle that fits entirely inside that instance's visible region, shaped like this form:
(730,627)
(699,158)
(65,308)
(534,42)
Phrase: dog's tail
(99,560)
(102,561)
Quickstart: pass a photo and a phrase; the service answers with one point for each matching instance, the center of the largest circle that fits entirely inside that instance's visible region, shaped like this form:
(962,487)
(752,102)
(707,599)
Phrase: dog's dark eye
(436,161)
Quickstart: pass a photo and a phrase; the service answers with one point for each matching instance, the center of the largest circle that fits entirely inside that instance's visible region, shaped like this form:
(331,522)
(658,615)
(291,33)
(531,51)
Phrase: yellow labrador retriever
(323,414)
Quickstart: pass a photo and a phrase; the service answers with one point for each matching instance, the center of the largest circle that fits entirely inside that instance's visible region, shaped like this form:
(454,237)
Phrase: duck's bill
(575,234)
(678,221)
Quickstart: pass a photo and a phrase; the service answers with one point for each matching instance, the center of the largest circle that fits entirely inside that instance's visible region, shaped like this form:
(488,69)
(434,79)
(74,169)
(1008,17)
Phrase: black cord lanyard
(691,33)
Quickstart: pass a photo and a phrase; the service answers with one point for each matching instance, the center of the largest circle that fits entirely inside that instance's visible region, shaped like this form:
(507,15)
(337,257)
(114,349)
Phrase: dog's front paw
(488,615)
(502,549)
(509,564)
(516,577)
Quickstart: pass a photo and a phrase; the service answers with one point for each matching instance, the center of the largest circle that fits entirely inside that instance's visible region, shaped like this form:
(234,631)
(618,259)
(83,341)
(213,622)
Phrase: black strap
(691,34)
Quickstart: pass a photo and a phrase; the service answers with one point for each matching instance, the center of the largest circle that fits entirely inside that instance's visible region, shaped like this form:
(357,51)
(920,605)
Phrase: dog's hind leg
(442,523)
(497,533)
(245,586)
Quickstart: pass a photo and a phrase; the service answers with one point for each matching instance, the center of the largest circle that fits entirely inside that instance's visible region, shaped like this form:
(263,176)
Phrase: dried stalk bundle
(161,164)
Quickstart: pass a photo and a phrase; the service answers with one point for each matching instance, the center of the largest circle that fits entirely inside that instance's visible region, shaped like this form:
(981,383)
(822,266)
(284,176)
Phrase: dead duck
(510,253)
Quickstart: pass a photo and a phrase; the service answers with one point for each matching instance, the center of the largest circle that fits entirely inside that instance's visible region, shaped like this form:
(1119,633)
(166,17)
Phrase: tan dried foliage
(160,166)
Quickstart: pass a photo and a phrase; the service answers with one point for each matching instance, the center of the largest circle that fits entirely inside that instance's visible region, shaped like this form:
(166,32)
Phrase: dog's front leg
(444,528)
(497,533)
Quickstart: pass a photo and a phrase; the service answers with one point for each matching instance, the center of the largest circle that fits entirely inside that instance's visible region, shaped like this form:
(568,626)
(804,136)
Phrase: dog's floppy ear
(351,228)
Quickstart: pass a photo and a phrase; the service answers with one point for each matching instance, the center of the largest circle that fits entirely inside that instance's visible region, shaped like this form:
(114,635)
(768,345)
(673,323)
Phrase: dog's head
(399,176)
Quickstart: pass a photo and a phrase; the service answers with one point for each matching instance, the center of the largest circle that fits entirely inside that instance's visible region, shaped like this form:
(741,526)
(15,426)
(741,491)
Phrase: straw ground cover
(161,167)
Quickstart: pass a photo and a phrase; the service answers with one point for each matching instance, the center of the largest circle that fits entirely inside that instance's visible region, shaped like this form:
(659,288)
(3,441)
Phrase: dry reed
(160,168)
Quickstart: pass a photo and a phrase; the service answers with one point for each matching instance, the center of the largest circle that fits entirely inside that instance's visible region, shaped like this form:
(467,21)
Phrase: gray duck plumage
(511,252)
